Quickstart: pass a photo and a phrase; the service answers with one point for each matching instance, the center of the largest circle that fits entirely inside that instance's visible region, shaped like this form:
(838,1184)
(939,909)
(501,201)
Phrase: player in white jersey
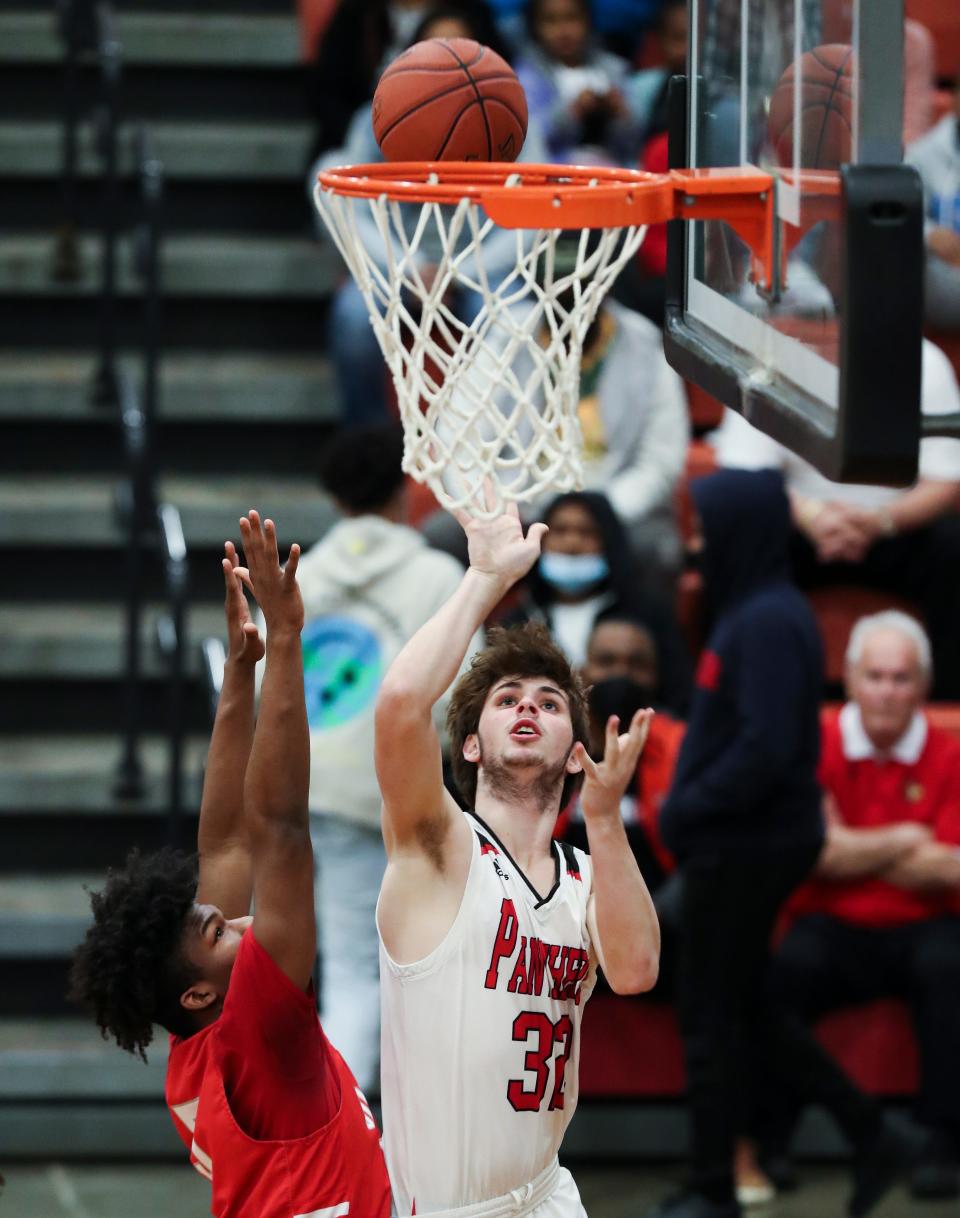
(490,932)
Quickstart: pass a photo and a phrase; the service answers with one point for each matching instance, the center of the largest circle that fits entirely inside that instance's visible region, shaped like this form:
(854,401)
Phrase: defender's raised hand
(605,781)
(243,639)
(275,587)
(498,548)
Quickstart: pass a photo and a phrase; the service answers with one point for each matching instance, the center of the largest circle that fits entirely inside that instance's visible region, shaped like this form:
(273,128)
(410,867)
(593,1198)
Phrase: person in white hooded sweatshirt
(367,587)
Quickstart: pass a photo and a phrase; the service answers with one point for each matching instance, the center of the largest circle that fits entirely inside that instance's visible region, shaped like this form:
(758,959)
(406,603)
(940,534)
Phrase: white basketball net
(489,407)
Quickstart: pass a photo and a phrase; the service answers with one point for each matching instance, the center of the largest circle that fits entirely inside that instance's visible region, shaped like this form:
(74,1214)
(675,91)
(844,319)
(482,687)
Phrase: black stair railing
(77,26)
(171,629)
(106,123)
(88,32)
(154,529)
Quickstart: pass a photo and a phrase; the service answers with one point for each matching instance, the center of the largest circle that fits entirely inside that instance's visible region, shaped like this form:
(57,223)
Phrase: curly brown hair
(520,651)
(131,969)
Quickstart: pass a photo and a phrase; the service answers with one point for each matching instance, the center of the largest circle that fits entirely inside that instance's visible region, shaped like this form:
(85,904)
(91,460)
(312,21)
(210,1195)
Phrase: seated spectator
(646,90)
(635,425)
(621,23)
(367,587)
(919,76)
(574,89)
(357,360)
(585,571)
(883,916)
(363,36)
(622,673)
(636,428)
(642,286)
(936,157)
(903,542)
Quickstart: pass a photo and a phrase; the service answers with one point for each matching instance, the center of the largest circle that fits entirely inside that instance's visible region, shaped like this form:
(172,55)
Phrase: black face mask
(619,696)
(693,560)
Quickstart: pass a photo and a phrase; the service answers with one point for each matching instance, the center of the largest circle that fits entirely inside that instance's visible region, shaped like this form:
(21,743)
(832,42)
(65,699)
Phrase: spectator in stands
(574,89)
(622,23)
(621,672)
(743,820)
(906,543)
(362,38)
(642,286)
(883,916)
(636,428)
(936,157)
(646,90)
(367,587)
(585,571)
(635,424)
(357,361)
(919,76)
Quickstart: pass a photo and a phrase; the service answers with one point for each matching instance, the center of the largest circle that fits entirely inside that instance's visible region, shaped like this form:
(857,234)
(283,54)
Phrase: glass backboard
(828,360)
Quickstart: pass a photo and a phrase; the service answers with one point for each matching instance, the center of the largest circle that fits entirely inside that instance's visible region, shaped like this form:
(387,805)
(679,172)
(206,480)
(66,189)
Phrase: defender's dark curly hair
(130,969)
(517,651)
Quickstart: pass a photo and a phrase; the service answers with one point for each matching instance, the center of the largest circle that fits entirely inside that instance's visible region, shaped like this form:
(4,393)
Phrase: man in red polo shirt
(883,915)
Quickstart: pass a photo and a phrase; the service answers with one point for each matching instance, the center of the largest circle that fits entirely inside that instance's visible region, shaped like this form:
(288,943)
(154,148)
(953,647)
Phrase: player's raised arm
(278,773)
(416,806)
(622,920)
(226,874)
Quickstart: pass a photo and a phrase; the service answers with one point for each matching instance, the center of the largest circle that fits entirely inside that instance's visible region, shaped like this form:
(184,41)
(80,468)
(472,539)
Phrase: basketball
(449,99)
(826,109)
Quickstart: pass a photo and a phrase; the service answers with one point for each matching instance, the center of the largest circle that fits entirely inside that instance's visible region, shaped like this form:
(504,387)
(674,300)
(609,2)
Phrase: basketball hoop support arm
(744,200)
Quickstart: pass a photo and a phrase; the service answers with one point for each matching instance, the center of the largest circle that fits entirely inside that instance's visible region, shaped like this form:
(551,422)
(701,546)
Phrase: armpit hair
(431,836)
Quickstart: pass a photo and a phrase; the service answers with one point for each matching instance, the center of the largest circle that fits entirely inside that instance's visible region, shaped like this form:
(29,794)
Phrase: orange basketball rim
(579,197)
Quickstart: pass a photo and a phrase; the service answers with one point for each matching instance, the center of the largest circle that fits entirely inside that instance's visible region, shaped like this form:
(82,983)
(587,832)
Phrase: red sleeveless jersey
(337,1170)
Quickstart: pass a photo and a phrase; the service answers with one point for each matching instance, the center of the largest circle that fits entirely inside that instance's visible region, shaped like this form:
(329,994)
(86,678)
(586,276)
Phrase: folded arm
(866,854)
(933,868)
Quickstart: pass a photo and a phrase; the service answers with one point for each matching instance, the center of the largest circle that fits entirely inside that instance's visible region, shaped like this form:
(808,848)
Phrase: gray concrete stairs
(246,404)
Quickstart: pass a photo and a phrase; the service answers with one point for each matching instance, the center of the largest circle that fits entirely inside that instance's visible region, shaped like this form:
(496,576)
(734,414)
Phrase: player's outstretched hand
(498,548)
(605,781)
(275,587)
(244,643)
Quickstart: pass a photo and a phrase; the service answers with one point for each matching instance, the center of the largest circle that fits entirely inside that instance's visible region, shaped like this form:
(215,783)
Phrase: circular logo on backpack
(342,670)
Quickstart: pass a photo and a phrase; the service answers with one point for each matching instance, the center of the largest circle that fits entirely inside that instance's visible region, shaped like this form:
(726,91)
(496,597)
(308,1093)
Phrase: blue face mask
(572,574)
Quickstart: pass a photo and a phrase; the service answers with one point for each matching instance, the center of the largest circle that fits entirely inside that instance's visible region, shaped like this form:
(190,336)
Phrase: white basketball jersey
(481,1039)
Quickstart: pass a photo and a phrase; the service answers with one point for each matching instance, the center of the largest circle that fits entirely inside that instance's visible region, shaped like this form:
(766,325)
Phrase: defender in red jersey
(268,1109)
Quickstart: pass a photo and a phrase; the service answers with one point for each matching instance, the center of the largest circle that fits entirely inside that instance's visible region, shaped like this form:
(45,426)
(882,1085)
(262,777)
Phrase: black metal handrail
(172,633)
(137,509)
(76,20)
(153,527)
(88,32)
(106,121)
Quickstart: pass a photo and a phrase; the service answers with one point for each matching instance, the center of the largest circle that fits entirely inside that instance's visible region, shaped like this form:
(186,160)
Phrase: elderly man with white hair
(882,916)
